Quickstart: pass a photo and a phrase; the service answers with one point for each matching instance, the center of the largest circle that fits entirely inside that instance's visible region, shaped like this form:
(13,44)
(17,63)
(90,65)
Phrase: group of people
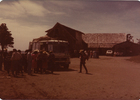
(30,62)
(89,53)
(94,54)
(34,62)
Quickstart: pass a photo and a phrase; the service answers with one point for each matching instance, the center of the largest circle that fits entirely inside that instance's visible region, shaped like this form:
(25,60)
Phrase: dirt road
(108,78)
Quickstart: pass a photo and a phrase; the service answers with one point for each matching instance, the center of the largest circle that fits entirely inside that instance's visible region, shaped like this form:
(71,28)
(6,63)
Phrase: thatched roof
(103,40)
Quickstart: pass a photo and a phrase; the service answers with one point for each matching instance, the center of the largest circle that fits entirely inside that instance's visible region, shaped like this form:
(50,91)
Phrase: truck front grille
(60,59)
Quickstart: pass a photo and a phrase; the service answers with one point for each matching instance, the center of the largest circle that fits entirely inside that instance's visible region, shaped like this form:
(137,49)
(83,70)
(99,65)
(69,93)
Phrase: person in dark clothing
(4,57)
(15,62)
(7,61)
(45,61)
(83,58)
(29,62)
(24,61)
(51,61)
(20,63)
(1,61)
(34,60)
(39,61)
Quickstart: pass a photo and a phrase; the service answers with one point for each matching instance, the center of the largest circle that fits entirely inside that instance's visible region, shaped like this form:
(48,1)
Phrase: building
(103,41)
(126,48)
(62,32)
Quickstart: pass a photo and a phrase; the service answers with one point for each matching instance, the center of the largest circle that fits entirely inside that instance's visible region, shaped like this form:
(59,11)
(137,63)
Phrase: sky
(29,19)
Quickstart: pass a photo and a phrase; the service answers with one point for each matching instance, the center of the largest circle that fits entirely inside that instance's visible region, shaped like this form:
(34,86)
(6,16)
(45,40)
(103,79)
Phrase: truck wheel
(66,66)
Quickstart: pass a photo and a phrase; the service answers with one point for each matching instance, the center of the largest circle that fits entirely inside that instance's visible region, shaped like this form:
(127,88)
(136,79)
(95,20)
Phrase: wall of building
(79,44)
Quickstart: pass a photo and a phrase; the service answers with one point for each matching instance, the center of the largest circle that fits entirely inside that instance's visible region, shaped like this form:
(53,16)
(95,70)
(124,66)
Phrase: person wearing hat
(1,60)
(15,61)
(34,60)
(45,61)
(20,62)
(83,58)
(8,62)
(29,61)
(51,61)
(24,56)
(39,61)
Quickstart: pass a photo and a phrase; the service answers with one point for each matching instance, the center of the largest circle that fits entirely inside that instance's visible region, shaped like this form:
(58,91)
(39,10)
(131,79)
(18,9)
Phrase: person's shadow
(48,72)
(55,74)
(89,74)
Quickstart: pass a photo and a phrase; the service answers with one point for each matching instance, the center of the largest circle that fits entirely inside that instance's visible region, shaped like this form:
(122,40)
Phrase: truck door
(50,47)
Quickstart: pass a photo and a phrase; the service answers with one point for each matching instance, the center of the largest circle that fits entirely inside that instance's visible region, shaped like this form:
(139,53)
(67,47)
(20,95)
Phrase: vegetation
(138,41)
(130,38)
(6,39)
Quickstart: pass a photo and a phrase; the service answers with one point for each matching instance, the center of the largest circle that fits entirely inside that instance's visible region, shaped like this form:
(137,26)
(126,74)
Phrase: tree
(130,37)
(138,41)
(6,39)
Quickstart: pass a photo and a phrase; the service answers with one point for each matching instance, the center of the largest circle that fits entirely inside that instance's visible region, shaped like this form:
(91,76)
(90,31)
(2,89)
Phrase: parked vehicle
(59,48)
(109,52)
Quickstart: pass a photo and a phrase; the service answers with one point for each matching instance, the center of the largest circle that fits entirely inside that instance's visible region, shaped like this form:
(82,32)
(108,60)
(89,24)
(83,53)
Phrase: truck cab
(58,47)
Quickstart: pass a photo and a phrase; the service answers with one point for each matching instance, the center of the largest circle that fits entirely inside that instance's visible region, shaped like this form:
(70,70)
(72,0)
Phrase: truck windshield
(60,48)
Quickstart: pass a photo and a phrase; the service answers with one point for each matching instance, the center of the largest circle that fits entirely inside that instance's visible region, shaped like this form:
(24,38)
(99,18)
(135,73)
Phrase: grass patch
(135,59)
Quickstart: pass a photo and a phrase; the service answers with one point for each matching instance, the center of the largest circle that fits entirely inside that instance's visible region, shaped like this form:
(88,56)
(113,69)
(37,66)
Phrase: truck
(58,47)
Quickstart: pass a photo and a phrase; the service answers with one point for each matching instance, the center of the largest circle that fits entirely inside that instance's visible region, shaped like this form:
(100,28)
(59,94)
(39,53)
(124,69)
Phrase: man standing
(39,61)
(1,60)
(15,62)
(29,61)
(20,63)
(83,58)
(7,62)
(24,56)
(51,61)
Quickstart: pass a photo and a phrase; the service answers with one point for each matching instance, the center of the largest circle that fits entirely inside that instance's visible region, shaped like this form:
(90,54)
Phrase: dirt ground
(108,78)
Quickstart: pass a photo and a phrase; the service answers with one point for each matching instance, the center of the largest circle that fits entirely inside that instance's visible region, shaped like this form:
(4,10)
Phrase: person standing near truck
(83,58)
(8,62)
(51,61)
(34,61)
(29,61)
(15,62)
(45,61)
(39,61)
(1,60)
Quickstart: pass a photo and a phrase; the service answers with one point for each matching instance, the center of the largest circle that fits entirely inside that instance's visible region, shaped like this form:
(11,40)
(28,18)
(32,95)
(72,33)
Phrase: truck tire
(66,66)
